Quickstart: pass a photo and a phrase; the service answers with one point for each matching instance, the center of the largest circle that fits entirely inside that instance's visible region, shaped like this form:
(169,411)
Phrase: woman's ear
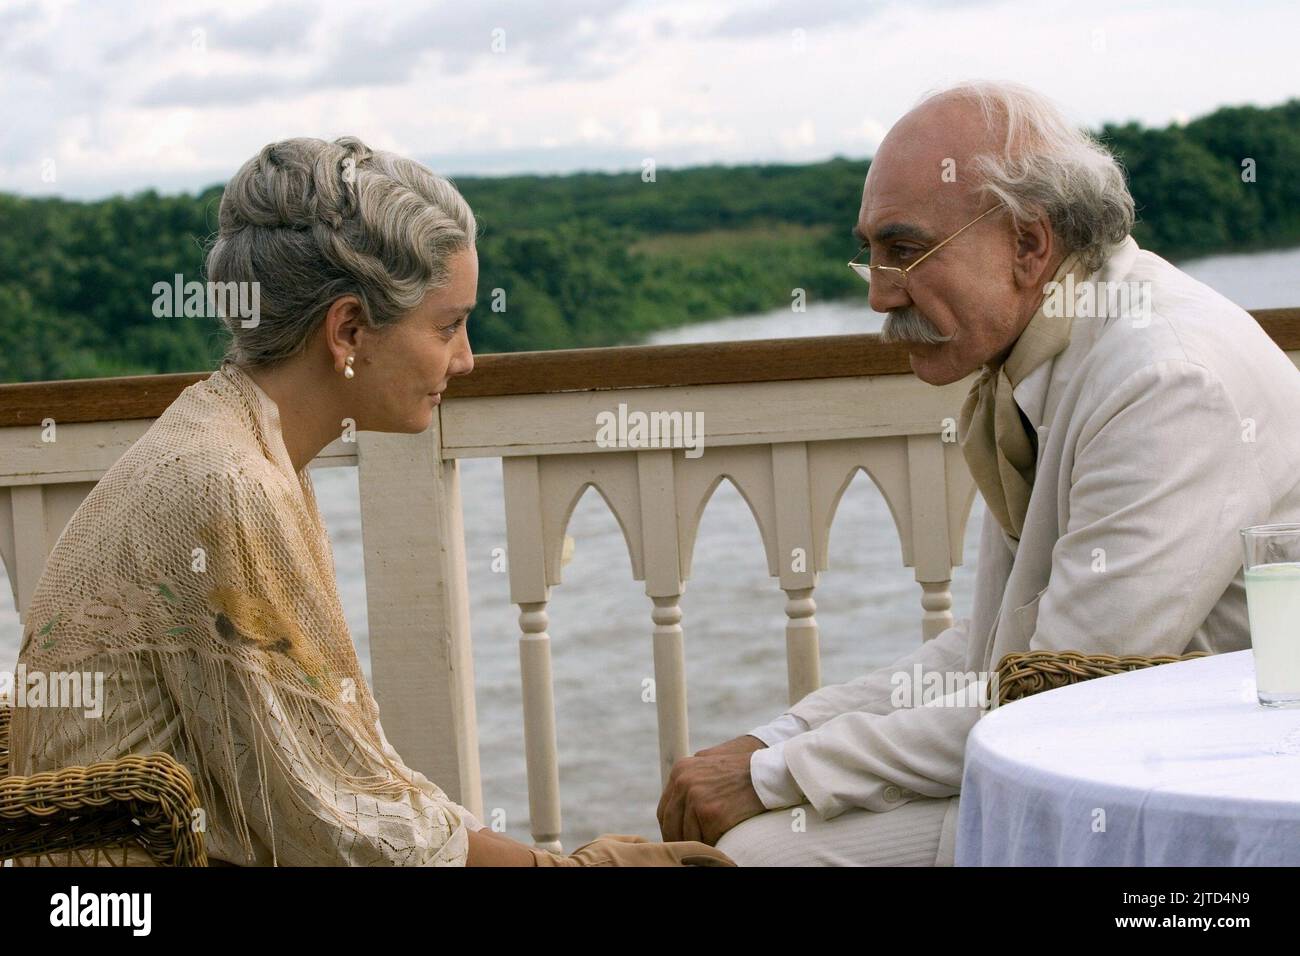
(1035,246)
(343,327)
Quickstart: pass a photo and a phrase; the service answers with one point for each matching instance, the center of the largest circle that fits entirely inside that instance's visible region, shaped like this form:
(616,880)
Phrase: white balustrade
(790,448)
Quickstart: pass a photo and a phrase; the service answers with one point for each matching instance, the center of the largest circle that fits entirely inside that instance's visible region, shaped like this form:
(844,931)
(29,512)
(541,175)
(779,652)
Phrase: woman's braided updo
(310,221)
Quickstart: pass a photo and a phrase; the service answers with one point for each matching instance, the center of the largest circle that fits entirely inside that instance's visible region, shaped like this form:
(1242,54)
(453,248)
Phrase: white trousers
(920,833)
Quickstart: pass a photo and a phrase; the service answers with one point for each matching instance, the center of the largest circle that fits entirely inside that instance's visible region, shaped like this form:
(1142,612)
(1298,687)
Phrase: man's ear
(1035,251)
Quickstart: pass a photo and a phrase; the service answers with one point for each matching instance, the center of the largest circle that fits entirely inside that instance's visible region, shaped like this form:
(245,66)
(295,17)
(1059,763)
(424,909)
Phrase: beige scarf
(197,577)
(996,443)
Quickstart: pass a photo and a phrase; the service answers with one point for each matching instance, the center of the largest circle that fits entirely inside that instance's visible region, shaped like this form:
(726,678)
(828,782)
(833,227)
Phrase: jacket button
(892,794)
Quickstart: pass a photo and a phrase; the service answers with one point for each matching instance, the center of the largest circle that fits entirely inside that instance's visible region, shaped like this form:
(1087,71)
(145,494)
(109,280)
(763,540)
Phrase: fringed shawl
(197,578)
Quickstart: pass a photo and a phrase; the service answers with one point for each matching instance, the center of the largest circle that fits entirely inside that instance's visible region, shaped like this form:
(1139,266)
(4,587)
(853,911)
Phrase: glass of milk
(1273,599)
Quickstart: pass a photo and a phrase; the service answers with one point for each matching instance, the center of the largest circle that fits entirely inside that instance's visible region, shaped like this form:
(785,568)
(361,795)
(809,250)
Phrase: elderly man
(1126,423)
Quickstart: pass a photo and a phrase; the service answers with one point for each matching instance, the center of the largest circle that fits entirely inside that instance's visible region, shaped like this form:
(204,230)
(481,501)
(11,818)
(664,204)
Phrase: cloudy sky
(115,96)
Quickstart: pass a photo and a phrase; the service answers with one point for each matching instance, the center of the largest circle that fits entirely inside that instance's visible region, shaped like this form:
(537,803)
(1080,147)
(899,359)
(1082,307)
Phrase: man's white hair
(1046,165)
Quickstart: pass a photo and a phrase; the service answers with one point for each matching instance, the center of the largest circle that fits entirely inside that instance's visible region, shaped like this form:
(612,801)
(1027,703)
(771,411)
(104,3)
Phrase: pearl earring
(348,372)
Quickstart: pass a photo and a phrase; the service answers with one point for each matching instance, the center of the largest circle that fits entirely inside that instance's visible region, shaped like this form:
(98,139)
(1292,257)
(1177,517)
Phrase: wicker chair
(140,802)
(1022,675)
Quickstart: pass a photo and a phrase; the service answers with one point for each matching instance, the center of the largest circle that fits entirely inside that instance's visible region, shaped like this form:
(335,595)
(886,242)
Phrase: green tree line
(599,259)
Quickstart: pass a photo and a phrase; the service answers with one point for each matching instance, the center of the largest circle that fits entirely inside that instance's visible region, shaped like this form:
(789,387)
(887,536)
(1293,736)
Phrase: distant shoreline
(591,259)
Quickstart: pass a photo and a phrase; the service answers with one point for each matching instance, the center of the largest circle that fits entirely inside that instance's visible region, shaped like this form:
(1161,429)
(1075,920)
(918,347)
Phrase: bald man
(1125,423)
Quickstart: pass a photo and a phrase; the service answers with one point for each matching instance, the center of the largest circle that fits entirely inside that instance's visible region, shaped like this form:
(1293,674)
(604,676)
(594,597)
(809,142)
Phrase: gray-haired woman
(197,575)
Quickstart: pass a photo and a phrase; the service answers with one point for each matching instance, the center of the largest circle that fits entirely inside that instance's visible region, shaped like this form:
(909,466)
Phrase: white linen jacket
(1157,442)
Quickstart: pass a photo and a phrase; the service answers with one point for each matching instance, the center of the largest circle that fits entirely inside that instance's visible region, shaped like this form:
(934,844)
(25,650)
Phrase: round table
(1175,765)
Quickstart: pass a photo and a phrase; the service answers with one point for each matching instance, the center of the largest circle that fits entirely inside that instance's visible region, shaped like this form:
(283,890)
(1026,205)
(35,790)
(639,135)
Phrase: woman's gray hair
(310,221)
(1048,166)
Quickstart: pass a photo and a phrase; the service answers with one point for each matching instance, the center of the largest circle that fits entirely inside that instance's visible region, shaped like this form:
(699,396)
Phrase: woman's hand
(616,849)
(488,848)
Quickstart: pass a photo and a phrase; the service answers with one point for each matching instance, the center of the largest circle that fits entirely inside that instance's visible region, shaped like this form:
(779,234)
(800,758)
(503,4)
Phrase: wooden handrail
(536,373)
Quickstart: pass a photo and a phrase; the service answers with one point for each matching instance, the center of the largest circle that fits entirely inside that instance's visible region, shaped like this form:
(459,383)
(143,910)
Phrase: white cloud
(799,138)
(592,130)
(867,133)
(118,96)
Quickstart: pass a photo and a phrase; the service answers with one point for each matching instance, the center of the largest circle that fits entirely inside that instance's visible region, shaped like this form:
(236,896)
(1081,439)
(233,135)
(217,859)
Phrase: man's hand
(708,794)
(740,745)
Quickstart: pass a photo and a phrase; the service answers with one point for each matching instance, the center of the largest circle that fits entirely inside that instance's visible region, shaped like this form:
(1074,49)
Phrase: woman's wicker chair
(142,803)
(1022,675)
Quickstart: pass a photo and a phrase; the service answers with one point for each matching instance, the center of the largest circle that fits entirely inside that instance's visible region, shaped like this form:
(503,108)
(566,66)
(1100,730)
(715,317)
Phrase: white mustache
(910,326)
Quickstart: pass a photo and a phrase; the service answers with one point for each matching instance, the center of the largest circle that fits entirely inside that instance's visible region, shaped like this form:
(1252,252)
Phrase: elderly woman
(197,576)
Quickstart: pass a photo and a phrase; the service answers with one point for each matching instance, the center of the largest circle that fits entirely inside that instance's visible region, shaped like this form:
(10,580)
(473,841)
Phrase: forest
(592,259)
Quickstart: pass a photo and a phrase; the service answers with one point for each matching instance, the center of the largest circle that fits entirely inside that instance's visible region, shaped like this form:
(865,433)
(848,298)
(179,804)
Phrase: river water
(868,604)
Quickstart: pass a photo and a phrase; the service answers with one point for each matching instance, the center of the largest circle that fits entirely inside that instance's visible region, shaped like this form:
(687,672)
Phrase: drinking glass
(1273,601)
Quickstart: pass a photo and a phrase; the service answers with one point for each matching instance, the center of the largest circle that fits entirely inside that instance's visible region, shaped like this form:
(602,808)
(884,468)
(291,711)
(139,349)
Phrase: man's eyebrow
(903,230)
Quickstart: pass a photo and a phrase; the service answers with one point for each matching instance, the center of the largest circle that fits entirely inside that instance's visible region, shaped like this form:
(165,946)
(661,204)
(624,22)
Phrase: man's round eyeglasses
(894,279)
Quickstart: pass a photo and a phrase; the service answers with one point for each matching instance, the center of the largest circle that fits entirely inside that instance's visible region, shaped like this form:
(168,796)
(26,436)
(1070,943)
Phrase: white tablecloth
(1174,765)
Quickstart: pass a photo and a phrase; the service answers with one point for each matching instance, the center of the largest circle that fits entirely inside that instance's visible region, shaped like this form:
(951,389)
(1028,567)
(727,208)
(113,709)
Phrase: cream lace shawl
(198,579)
